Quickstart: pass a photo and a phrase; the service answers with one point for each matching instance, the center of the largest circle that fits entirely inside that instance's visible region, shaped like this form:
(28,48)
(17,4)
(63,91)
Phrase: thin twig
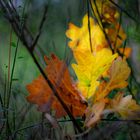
(89,29)
(40,29)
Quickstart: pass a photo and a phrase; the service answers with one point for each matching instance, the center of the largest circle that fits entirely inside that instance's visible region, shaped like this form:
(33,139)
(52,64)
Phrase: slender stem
(89,28)
(40,29)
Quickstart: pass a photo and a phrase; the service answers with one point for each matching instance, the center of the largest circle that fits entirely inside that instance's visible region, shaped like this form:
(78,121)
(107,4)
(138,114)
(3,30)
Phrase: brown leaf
(94,113)
(58,74)
(118,74)
(126,106)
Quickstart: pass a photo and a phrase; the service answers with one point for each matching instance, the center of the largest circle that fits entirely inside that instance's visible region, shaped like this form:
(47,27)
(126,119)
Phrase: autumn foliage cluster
(101,69)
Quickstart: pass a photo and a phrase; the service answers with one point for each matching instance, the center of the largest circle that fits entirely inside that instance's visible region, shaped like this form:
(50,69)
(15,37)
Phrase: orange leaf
(116,35)
(125,51)
(42,95)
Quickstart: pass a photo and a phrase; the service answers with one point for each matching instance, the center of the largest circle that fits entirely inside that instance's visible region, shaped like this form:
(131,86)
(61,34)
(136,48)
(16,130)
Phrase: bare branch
(40,29)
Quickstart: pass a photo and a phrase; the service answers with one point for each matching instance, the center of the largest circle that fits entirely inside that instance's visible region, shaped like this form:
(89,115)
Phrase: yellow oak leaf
(118,74)
(126,106)
(80,39)
(89,69)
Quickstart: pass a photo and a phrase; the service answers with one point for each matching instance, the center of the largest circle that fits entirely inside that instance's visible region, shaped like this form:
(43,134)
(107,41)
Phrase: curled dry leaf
(126,106)
(118,74)
(94,113)
(42,95)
